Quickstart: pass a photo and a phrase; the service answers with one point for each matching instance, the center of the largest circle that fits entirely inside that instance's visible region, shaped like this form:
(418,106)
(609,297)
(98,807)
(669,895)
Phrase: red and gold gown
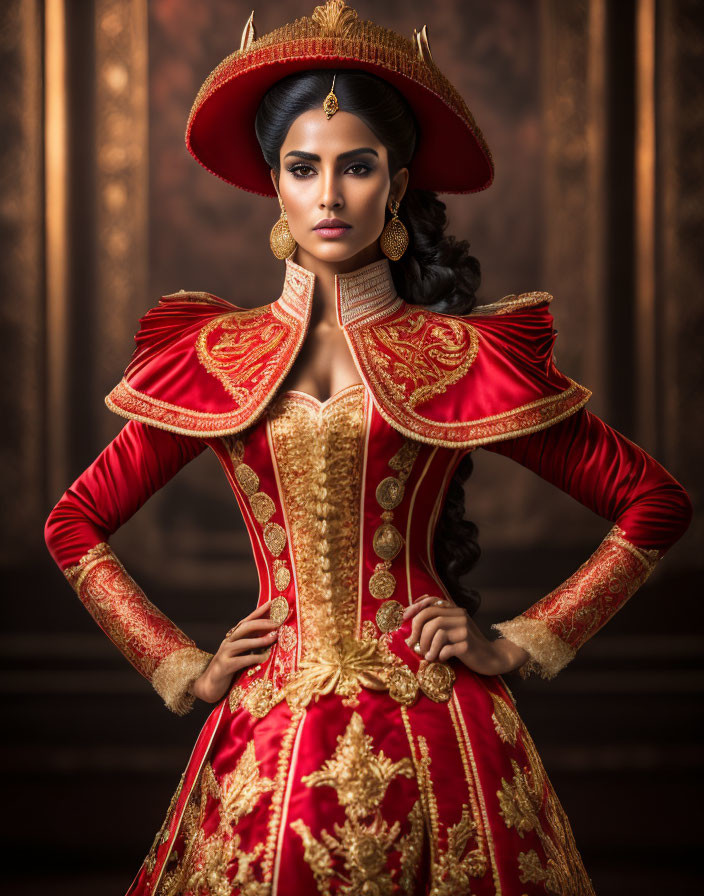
(345,763)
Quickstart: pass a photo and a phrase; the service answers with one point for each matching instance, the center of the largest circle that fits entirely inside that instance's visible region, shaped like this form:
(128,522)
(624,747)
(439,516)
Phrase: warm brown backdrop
(594,112)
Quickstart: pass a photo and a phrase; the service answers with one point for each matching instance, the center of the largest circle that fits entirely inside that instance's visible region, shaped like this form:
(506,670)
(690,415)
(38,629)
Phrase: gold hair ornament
(330,106)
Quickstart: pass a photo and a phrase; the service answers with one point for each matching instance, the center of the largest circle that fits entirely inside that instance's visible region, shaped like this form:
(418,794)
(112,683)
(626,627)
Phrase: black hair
(436,269)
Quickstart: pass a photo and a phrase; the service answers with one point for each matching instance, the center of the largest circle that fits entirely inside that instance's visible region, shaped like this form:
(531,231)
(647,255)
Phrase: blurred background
(594,110)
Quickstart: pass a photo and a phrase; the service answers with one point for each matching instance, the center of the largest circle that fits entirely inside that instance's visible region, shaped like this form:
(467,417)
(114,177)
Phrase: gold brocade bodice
(341,510)
(319,449)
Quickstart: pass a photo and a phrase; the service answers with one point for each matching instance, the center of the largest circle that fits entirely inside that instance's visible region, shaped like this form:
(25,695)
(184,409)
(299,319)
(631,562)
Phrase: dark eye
(363,169)
(296,168)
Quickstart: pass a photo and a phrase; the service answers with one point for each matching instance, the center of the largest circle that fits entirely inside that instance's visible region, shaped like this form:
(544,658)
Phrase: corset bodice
(341,511)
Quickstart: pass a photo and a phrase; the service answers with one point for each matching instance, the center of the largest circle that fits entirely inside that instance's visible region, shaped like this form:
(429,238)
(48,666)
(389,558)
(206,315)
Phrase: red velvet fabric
(137,463)
(609,474)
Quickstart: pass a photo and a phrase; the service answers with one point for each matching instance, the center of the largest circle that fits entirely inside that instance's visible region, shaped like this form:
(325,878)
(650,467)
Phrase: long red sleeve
(618,480)
(138,462)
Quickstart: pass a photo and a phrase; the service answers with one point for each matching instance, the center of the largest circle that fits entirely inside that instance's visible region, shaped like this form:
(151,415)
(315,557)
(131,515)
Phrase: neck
(324,310)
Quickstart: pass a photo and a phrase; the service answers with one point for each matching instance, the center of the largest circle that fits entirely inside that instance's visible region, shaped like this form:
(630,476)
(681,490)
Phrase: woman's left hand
(445,630)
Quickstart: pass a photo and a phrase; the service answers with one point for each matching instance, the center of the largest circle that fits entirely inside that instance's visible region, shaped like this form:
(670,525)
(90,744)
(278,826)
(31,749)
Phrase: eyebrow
(312,157)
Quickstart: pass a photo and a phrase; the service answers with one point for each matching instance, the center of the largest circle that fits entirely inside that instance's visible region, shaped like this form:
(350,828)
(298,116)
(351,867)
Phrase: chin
(333,251)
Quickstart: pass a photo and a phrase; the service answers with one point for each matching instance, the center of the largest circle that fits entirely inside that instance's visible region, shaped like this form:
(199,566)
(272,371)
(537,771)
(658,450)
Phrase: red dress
(346,763)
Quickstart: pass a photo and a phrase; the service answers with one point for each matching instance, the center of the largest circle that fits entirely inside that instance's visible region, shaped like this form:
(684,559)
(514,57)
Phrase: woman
(363,740)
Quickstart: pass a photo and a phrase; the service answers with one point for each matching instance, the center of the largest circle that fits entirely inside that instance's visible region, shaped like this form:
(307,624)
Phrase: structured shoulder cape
(205,367)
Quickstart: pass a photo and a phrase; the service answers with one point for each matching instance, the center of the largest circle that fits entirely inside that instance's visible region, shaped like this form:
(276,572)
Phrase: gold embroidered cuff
(548,653)
(157,648)
(174,675)
(555,627)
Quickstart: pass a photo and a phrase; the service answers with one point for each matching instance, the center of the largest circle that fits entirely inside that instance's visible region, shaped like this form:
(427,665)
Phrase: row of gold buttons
(263,509)
(387,540)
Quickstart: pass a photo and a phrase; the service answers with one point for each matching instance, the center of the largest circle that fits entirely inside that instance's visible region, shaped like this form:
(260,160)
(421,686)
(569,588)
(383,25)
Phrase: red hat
(221,135)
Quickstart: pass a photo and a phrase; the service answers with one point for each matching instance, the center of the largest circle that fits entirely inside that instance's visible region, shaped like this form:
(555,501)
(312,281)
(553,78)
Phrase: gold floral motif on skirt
(360,776)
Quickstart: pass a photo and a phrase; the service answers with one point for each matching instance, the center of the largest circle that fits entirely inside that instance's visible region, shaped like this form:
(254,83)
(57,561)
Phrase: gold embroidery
(263,507)
(528,803)
(387,540)
(207,859)
(403,686)
(556,626)
(404,459)
(282,575)
(389,616)
(410,846)
(283,768)
(247,478)
(244,344)
(382,584)
(451,868)
(353,664)
(287,639)
(511,303)
(318,451)
(235,697)
(261,697)
(423,354)
(156,647)
(360,777)
(474,787)
(275,538)
(505,720)
(389,492)
(162,835)
(278,611)
(436,680)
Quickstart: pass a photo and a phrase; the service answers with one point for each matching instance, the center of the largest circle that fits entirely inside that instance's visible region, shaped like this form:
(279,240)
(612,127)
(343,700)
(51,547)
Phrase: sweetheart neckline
(316,401)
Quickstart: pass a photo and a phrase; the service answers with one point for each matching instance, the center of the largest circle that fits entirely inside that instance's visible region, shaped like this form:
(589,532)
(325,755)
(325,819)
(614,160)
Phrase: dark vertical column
(620,283)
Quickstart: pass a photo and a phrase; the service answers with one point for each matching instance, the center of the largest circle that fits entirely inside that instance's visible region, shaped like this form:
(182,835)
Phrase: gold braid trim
(554,628)
(157,648)
(175,674)
(548,653)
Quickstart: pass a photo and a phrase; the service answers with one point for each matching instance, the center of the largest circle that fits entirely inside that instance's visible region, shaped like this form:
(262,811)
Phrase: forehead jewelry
(330,106)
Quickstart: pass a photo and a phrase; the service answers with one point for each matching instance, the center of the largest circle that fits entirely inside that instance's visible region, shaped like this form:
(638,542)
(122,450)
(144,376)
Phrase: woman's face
(335,168)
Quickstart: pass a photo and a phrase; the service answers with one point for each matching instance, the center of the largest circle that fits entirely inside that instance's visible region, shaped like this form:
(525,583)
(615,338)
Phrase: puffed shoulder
(203,366)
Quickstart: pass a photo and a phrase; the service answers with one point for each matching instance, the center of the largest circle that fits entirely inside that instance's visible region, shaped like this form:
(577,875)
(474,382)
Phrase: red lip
(331,222)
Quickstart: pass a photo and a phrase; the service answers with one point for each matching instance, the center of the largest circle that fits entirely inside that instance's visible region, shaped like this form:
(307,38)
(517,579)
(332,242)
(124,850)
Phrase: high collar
(367,291)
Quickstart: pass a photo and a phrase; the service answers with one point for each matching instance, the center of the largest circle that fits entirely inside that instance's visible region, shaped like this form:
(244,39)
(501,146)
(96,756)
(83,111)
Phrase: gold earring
(281,240)
(394,236)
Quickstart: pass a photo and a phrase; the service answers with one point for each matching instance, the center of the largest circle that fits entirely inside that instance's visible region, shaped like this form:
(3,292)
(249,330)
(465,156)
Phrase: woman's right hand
(232,654)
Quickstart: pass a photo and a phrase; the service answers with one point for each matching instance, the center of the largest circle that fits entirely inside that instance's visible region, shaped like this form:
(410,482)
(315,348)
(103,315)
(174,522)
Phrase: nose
(330,192)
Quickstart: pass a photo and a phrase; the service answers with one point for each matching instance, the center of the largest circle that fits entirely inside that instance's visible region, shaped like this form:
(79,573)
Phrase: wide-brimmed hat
(451,156)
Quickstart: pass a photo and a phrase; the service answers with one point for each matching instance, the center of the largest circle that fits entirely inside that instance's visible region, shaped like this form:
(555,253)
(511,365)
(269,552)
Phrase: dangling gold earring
(394,236)
(281,240)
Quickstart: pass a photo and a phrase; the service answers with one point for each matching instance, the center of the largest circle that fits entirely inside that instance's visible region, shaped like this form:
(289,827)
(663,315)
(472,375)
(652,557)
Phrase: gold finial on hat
(330,106)
(420,39)
(249,35)
(336,19)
